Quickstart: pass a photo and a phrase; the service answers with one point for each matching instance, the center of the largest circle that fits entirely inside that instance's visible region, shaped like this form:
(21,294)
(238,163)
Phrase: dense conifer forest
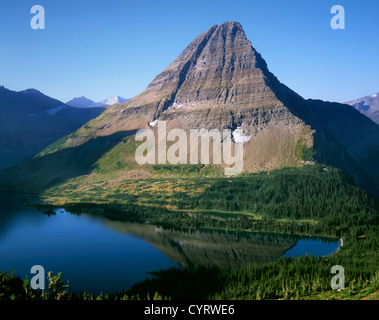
(313,200)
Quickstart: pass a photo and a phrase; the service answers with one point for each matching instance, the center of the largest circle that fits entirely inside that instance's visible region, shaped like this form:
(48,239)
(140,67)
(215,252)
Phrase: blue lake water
(96,254)
(313,246)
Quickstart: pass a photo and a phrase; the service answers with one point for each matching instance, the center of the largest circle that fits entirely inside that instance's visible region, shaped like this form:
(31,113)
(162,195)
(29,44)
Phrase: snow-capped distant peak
(83,102)
(114,100)
(111,101)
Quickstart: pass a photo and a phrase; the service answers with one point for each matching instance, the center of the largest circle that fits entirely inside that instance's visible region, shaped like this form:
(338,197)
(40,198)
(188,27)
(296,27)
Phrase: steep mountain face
(30,121)
(220,82)
(369,106)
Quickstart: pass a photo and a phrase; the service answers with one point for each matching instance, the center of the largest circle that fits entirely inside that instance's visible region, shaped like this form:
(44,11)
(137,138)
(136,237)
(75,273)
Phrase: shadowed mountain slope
(30,121)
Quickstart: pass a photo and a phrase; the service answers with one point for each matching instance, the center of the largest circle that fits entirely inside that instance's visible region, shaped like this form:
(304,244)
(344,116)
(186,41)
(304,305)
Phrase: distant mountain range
(83,102)
(30,121)
(369,106)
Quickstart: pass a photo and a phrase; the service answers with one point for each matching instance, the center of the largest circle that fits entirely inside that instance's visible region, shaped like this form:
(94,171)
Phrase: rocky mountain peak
(208,69)
(218,79)
(368,105)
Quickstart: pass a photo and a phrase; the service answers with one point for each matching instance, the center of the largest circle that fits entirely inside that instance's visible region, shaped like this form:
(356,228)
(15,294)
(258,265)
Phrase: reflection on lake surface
(191,249)
(97,254)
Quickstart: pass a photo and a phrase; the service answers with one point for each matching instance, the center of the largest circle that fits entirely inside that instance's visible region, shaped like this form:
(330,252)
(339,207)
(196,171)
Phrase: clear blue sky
(103,48)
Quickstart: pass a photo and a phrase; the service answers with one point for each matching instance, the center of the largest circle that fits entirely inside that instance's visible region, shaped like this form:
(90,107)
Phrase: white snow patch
(153,123)
(373,96)
(175,106)
(239,137)
(54,111)
(110,101)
